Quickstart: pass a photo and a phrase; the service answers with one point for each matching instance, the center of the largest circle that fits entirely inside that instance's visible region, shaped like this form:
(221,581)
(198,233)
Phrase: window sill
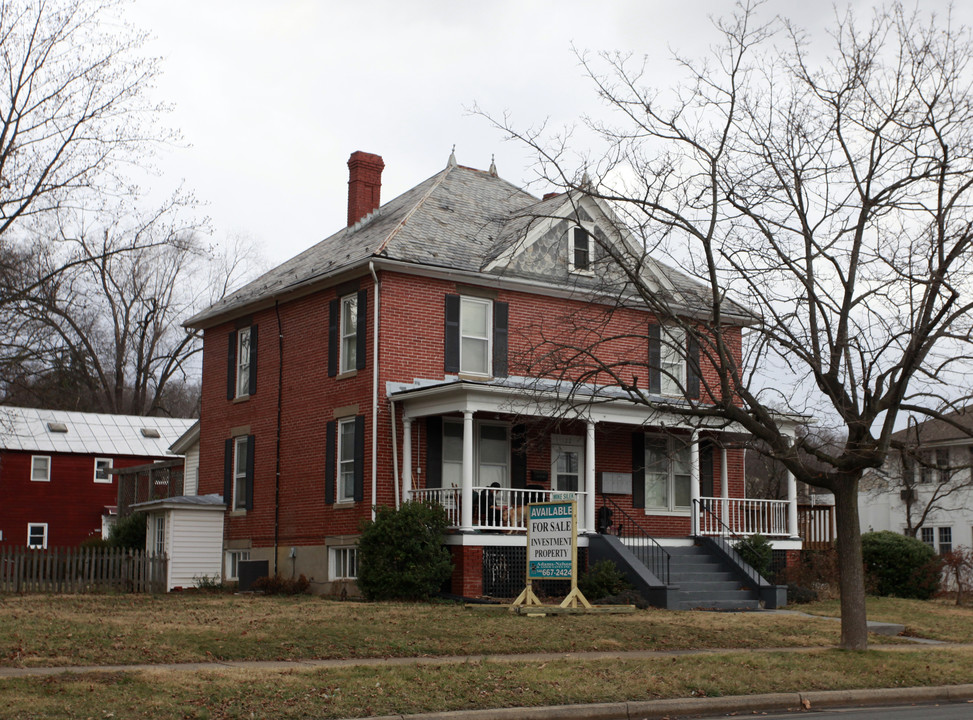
(346,374)
(238,513)
(240,399)
(343,504)
(473,376)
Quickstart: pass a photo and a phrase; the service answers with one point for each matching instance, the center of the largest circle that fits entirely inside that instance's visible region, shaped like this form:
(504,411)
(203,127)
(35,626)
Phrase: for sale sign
(550,541)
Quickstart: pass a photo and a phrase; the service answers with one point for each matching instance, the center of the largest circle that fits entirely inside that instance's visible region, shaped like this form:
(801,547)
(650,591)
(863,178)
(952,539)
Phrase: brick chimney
(364,184)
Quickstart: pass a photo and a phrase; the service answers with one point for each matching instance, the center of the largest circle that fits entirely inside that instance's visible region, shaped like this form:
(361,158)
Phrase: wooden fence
(77,570)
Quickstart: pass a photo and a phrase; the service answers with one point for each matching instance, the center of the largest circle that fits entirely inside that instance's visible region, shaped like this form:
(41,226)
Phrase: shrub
(958,568)
(128,532)
(797,594)
(900,566)
(208,583)
(603,580)
(816,571)
(276,585)
(401,555)
(757,552)
(94,541)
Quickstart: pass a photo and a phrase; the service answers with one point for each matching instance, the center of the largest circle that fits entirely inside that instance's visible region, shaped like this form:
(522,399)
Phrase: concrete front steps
(706,582)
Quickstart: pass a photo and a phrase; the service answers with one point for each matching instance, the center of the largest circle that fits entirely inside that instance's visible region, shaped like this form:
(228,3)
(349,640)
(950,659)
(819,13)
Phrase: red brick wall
(71,504)
(411,344)
(467,570)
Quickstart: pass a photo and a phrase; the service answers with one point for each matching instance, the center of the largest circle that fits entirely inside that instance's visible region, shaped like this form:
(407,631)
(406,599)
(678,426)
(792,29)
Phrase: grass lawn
(933,619)
(40,630)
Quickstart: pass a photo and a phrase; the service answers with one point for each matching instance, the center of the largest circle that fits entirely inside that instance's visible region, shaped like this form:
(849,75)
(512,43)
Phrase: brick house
(404,357)
(57,485)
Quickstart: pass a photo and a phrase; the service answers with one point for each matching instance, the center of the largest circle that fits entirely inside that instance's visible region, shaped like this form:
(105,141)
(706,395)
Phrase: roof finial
(493,165)
(585,181)
(452,157)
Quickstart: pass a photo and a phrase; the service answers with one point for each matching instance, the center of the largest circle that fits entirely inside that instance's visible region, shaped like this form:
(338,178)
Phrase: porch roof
(527,396)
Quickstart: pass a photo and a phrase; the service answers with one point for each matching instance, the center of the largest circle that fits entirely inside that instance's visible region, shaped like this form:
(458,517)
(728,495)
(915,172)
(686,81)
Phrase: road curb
(687,707)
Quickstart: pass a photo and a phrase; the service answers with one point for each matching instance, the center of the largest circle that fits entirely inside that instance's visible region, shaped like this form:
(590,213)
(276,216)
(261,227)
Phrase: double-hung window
(667,474)
(40,468)
(346,460)
(475,321)
(491,454)
(37,536)
(349,333)
(580,252)
(673,360)
(243,337)
(945,540)
(238,483)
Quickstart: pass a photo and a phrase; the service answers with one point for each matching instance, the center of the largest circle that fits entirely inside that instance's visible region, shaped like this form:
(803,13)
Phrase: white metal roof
(61,431)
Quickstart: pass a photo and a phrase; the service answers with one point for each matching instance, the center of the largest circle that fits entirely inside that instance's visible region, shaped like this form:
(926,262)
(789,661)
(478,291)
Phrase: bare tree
(830,200)
(74,107)
(103,333)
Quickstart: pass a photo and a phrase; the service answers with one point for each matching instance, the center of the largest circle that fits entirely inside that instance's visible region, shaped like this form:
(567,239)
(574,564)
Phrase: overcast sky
(272,97)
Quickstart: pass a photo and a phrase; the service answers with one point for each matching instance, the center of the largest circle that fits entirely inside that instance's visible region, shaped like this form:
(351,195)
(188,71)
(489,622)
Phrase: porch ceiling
(532,397)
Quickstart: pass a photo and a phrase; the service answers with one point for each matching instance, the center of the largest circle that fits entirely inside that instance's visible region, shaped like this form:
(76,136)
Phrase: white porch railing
(743,516)
(494,509)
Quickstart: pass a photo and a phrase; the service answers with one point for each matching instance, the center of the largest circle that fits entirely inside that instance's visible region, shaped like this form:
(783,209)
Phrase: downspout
(280,386)
(371,269)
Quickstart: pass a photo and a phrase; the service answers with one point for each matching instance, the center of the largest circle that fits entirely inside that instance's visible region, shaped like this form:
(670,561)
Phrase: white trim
(589,230)
(239,473)
(231,558)
(40,525)
(242,384)
(108,478)
(568,443)
(350,553)
(486,338)
(672,446)
(340,495)
(47,459)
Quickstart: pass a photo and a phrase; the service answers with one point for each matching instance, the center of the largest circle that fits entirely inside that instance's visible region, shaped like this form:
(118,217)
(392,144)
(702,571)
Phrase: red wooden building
(419,353)
(56,484)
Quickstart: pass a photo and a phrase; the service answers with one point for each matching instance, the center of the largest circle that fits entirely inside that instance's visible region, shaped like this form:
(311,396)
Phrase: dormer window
(579,249)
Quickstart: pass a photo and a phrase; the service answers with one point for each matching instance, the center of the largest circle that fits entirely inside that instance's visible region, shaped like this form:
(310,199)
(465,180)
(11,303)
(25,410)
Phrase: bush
(401,555)
(900,566)
(94,541)
(209,583)
(276,585)
(958,568)
(757,552)
(797,594)
(816,571)
(603,580)
(128,532)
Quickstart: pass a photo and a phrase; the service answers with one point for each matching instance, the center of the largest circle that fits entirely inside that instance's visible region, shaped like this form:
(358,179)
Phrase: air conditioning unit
(907,495)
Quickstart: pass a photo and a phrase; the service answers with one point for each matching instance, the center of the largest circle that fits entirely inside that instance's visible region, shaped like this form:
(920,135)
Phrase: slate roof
(458,219)
(935,431)
(30,430)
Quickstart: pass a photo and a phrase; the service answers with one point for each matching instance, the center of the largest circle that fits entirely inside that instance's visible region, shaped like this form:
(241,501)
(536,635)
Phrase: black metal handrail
(653,555)
(725,534)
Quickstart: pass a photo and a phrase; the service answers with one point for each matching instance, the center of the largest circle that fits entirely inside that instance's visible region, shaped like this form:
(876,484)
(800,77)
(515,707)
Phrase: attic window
(150,433)
(57,427)
(579,249)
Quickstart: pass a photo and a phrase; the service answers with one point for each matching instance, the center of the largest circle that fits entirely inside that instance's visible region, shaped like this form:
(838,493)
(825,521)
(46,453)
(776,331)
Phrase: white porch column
(406,458)
(724,487)
(466,491)
(694,483)
(589,478)
(792,529)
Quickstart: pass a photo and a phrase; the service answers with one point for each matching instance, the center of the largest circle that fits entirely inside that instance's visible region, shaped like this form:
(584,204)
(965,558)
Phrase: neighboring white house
(927,485)
(188,446)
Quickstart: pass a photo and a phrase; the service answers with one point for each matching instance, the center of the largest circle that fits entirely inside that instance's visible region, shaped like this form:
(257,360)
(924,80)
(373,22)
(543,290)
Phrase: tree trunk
(854,627)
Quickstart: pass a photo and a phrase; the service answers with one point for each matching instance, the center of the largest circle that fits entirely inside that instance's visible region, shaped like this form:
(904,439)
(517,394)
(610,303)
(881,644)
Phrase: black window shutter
(707,482)
(333,308)
(638,469)
(655,358)
(692,366)
(434,452)
(231,366)
(253,360)
(501,315)
(228,473)
(330,451)
(250,444)
(518,456)
(361,330)
(359,458)
(452,334)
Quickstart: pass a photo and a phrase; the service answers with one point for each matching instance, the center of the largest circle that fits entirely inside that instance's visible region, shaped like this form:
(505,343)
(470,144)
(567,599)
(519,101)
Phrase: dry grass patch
(933,619)
(49,631)
(363,691)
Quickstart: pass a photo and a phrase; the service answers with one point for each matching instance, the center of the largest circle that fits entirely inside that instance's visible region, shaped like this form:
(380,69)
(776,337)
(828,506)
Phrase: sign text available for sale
(549,541)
